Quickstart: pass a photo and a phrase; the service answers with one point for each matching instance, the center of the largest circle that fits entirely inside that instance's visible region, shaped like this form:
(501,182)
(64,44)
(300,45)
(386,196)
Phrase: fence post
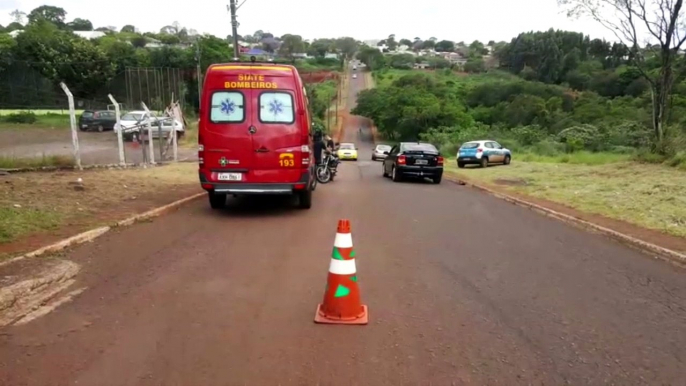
(176,117)
(72,122)
(120,134)
(148,127)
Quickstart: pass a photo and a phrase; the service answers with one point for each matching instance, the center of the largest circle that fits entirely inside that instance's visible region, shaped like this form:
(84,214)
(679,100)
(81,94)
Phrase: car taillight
(201,150)
(305,150)
(401,160)
(440,161)
(479,150)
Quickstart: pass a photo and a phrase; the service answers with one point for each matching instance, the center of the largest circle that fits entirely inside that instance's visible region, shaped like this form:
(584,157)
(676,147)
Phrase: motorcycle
(326,171)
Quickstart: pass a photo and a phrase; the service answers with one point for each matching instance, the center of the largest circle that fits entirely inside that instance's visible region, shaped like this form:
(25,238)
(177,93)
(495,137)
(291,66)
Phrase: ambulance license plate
(230,176)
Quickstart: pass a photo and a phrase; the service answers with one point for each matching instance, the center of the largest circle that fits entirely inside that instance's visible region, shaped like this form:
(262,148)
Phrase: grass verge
(190,137)
(107,195)
(43,121)
(44,161)
(650,196)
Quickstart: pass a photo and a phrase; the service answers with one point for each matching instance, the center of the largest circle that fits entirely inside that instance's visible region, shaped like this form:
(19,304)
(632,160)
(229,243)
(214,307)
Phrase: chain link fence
(35,125)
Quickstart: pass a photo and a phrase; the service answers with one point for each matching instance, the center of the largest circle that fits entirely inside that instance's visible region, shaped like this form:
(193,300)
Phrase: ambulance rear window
(227,107)
(276,107)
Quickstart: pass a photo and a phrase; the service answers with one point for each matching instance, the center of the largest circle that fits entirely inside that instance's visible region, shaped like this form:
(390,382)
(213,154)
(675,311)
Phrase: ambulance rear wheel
(305,199)
(217,200)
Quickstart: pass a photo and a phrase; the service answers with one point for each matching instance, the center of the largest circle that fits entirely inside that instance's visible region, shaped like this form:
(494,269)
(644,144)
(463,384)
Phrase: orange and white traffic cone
(342,303)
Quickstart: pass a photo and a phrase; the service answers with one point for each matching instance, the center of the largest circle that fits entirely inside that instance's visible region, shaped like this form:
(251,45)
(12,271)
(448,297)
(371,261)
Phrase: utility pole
(234,30)
(198,72)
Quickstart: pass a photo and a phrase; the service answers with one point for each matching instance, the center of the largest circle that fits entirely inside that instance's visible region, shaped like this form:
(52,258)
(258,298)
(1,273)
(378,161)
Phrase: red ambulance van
(254,133)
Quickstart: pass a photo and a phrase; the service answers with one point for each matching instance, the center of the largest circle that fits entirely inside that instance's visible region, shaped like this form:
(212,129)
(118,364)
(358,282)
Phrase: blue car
(483,153)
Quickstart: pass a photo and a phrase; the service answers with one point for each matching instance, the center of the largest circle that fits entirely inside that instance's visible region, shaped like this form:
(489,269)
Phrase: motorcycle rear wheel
(323,174)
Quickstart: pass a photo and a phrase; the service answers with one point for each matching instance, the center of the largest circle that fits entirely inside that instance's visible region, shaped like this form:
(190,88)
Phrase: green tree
(391,42)
(405,42)
(401,61)
(213,50)
(372,58)
(169,39)
(428,44)
(445,46)
(14,26)
(291,44)
(120,53)
(347,46)
(54,15)
(18,16)
(61,56)
(320,47)
(139,41)
(6,47)
(665,23)
(475,66)
(80,25)
(128,28)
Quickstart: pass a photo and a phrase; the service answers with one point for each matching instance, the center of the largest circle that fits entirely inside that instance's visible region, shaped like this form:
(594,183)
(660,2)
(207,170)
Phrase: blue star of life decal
(228,107)
(275,107)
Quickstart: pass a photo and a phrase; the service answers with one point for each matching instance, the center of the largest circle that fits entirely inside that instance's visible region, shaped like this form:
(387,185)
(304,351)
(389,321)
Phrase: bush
(548,148)
(24,117)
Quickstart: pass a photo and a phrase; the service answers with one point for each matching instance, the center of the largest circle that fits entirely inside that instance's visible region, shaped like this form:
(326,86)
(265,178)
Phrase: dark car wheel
(305,199)
(437,180)
(100,129)
(460,165)
(507,160)
(484,162)
(217,200)
(395,175)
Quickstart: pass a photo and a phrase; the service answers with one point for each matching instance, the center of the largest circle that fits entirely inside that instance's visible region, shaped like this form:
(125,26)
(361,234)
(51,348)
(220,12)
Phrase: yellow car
(347,151)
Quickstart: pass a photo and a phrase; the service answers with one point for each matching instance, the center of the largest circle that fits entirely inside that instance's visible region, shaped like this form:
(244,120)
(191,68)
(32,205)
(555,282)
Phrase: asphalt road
(462,288)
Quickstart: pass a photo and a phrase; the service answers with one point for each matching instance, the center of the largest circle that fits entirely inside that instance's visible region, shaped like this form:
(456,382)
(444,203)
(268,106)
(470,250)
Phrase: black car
(99,120)
(413,159)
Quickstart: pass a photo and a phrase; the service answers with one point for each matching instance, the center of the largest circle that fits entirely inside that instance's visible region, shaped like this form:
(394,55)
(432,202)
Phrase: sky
(456,20)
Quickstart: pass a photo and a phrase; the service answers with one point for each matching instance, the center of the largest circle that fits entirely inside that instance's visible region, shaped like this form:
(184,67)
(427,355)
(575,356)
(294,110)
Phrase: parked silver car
(378,152)
(136,121)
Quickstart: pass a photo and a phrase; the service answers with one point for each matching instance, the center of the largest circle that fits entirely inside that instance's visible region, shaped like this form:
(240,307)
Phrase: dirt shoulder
(647,202)
(39,208)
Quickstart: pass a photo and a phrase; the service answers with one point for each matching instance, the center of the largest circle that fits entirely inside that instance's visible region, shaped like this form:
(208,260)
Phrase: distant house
(153,43)
(257,52)
(331,55)
(89,35)
(421,66)
(454,57)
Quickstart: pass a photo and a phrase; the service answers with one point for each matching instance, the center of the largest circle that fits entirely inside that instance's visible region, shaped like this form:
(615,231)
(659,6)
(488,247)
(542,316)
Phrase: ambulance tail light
(201,150)
(305,156)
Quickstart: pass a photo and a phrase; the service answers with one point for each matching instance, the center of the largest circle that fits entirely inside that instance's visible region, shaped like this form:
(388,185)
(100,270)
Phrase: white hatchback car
(378,152)
(482,153)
